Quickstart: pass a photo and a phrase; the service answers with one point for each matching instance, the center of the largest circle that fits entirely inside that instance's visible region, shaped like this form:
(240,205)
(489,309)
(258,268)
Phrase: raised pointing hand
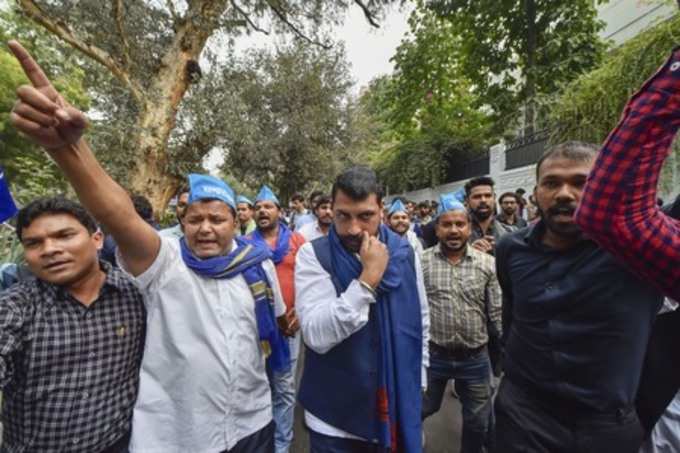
(40,112)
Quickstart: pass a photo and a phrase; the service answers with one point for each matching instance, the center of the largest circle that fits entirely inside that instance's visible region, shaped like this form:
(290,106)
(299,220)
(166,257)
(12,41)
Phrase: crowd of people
(553,317)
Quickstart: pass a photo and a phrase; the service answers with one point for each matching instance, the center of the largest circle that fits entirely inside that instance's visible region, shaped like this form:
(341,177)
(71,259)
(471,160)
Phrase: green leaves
(30,172)
(517,51)
(289,123)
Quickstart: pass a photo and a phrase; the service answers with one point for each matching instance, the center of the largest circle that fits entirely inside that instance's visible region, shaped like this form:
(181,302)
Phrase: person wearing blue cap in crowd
(244,213)
(465,312)
(398,220)
(211,300)
(284,245)
(363,314)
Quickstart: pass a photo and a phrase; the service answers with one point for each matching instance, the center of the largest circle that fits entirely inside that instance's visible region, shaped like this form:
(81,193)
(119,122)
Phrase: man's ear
(98,237)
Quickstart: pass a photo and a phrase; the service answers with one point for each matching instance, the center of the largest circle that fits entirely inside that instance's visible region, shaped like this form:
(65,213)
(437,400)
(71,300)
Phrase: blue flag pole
(7,206)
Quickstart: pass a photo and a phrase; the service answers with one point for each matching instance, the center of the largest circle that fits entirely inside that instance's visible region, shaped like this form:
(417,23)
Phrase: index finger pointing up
(33,71)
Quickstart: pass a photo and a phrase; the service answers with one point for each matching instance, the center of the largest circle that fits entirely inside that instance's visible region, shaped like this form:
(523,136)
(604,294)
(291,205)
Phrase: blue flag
(7,206)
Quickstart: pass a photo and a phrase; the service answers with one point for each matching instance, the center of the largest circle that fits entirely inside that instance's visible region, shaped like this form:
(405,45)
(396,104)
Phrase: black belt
(458,353)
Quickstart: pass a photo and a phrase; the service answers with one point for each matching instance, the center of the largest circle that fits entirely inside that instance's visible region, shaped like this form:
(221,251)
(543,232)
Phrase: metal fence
(526,150)
(468,169)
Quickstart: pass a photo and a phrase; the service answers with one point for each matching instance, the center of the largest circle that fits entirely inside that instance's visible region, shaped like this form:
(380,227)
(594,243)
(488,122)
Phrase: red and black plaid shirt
(618,208)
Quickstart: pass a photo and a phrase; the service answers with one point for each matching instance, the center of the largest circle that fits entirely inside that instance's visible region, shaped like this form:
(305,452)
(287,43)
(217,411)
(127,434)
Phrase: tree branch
(102,57)
(173,11)
(118,17)
(246,16)
(282,16)
(368,14)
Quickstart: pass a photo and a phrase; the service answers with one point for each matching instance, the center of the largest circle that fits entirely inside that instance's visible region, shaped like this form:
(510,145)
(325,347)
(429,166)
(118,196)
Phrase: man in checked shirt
(70,340)
(619,209)
(465,310)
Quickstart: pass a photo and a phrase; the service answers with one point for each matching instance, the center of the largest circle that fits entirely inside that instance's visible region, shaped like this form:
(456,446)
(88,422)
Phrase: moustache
(351,241)
(565,209)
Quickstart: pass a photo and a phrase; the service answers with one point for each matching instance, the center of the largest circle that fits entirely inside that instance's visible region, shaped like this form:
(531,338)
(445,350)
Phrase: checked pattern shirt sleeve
(618,209)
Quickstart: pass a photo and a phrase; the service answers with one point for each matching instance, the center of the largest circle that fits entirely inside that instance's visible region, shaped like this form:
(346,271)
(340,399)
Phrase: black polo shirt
(576,323)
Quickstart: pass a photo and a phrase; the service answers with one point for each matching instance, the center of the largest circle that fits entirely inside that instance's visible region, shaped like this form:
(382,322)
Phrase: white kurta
(311,231)
(203,385)
(326,319)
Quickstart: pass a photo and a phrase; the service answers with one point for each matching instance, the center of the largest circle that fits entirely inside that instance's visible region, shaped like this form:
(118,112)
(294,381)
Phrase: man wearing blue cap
(363,314)
(398,220)
(465,310)
(211,300)
(244,212)
(283,244)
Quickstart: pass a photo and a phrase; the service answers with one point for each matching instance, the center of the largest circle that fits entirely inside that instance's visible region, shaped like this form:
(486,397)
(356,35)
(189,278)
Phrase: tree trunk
(159,112)
(529,71)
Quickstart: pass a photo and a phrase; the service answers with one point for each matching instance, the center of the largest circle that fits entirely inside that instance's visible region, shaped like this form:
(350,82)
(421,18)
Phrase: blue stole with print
(247,260)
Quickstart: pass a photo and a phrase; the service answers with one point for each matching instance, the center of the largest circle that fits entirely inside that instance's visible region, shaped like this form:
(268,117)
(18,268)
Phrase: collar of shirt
(533,236)
(114,280)
(504,219)
(477,229)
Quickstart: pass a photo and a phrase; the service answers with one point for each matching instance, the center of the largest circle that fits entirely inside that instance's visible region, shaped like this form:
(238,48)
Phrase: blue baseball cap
(206,187)
(241,199)
(396,206)
(449,202)
(266,194)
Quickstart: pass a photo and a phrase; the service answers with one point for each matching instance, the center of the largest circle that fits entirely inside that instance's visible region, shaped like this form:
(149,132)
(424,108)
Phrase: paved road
(442,430)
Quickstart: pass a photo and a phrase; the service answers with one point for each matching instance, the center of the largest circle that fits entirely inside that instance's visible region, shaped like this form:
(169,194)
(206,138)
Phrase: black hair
(184,188)
(315,194)
(143,207)
(520,191)
(479,181)
(297,197)
(54,205)
(357,182)
(424,204)
(508,194)
(571,150)
(323,199)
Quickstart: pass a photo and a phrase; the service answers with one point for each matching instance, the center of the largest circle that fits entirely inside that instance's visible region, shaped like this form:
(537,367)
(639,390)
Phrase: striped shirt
(463,297)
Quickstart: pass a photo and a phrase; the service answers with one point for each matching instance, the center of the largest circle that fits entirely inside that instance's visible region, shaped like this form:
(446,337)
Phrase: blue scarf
(247,260)
(282,242)
(400,350)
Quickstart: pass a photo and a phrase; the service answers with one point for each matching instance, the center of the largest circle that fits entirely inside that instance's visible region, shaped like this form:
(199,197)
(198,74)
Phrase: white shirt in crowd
(326,319)
(203,385)
(415,243)
(665,437)
(172,232)
(311,231)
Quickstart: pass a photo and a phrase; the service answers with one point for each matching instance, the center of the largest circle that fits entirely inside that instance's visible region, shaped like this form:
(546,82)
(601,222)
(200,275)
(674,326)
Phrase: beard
(270,223)
(456,249)
(351,242)
(326,220)
(400,228)
(482,215)
(567,230)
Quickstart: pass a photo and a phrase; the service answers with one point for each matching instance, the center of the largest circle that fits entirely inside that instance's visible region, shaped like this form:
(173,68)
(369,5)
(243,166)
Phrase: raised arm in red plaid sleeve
(618,208)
